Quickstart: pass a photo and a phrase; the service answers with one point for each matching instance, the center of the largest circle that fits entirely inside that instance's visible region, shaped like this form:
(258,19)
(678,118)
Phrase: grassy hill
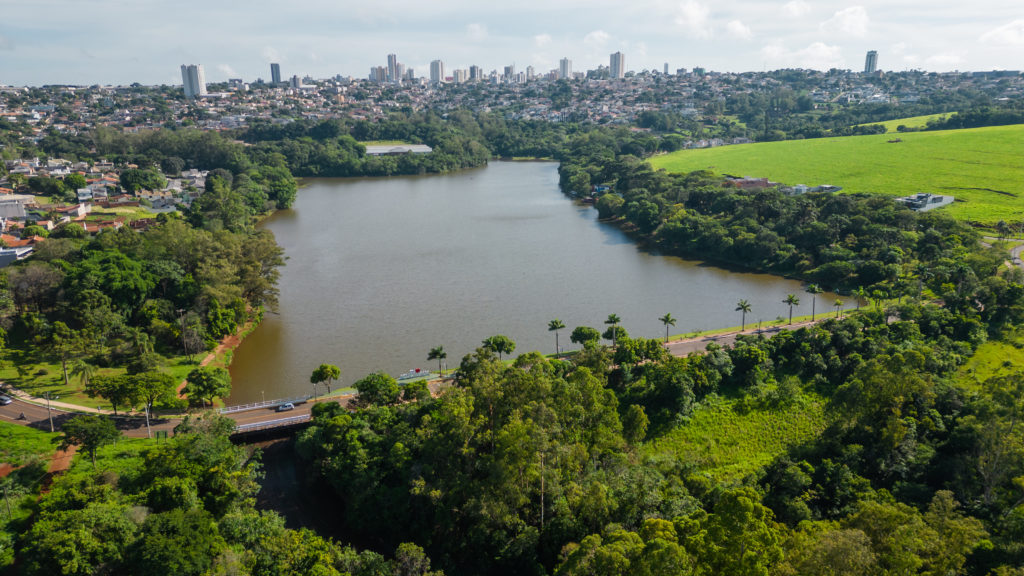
(912,122)
(982,167)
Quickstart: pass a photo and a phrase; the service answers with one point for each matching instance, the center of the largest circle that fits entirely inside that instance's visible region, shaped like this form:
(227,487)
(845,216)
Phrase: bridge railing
(267,424)
(262,404)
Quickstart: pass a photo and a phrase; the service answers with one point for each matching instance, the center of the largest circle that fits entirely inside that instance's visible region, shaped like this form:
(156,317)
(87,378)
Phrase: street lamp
(263,399)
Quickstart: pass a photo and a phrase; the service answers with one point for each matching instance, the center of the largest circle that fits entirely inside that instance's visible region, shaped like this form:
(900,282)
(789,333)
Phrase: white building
(565,69)
(618,65)
(436,72)
(193,79)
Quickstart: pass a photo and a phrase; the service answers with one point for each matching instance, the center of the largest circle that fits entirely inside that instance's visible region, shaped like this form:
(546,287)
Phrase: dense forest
(184,507)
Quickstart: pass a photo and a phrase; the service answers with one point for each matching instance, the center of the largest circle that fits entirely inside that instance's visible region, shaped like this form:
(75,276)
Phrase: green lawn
(982,167)
(912,122)
(728,443)
(19,444)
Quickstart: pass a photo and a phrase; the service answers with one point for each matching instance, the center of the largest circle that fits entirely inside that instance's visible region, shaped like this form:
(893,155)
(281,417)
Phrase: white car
(5,400)
(285,407)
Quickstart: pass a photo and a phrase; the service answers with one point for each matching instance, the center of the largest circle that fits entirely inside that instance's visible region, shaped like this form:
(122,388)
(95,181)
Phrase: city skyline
(322,39)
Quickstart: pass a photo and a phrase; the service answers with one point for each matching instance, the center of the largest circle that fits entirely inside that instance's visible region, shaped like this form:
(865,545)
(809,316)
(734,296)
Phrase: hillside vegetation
(912,122)
(982,167)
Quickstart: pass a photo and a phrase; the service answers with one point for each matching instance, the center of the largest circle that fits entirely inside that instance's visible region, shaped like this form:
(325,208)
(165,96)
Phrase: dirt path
(228,343)
(60,462)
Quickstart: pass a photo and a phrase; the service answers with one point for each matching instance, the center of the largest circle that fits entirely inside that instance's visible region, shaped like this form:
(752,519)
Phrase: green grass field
(728,444)
(912,122)
(982,167)
(19,444)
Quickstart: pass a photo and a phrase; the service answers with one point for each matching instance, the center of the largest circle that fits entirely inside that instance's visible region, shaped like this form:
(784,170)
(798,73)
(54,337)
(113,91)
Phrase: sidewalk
(56,404)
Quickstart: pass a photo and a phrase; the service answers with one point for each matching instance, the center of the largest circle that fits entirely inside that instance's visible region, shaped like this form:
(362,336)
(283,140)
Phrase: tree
(438,354)
(500,344)
(90,431)
(325,373)
(84,371)
(584,336)
(634,424)
(152,387)
(838,305)
(64,344)
(75,182)
(861,295)
(743,306)
(119,390)
(667,320)
(813,290)
(206,383)
(792,300)
(554,326)
(378,388)
(613,320)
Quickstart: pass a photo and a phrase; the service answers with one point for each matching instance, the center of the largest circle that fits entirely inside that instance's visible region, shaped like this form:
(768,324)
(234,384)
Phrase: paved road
(700,343)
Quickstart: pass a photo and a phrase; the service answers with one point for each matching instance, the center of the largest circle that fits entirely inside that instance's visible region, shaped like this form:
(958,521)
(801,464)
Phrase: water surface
(380,271)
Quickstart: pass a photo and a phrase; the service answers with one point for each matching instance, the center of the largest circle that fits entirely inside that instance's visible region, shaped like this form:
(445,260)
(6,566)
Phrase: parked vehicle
(285,407)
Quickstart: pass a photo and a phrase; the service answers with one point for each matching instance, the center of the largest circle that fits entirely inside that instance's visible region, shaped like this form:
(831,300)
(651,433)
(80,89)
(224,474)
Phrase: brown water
(381,270)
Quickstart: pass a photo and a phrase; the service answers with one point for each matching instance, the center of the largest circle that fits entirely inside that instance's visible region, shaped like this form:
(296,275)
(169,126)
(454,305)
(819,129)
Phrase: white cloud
(228,70)
(692,16)
(796,8)
(271,55)
(541,40)
(476,32)
(596,39)
(852,21)
(1011,34)
(817,56)
(739,30)
(945,59)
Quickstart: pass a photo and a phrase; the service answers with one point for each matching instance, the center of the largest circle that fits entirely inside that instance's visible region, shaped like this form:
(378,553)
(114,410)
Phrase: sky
(146,41)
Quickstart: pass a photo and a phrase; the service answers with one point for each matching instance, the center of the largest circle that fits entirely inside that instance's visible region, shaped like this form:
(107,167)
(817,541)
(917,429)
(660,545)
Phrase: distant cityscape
(395,72)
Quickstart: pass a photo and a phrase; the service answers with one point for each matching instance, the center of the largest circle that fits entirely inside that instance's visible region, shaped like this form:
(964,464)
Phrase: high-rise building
(530,73)
(193,80)
(275,73)
(618,65)
(460,75)
(436,72)
(393,75)
(378,74)
(666,68)
(510,72)
(565,69)
(871,62)
(476,73)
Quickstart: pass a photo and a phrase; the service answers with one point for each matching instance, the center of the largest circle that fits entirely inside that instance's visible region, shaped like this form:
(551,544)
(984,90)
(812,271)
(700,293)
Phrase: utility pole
(49,414)
(149,431)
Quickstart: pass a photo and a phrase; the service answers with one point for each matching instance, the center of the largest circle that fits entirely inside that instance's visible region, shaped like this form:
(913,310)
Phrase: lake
(380,271)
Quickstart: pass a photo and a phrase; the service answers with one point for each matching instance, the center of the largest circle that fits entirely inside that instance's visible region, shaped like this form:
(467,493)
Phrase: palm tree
(792,300)
(838,304)
(613,320)
(84,371)
(861,295)
(554,326)
(438,354)
(667,320)
(813,290)
(744,307)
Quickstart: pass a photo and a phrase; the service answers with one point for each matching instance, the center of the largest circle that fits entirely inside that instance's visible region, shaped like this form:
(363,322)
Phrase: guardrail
(262,404)
(266,425)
